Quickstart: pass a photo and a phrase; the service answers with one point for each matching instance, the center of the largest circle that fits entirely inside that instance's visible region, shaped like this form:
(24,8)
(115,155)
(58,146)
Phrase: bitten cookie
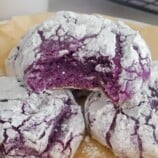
(82,51)
(130,131)
(38,125)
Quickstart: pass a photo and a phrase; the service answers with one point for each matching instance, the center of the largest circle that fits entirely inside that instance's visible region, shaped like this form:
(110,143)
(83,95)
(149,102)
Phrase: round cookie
(83,52)
(38,126)
(130,131)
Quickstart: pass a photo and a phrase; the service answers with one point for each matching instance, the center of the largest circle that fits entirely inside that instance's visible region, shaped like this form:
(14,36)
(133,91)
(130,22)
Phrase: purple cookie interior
(53,71)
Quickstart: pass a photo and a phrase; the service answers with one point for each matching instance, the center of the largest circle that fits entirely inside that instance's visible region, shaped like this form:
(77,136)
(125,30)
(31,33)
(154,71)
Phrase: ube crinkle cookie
(131,131)
(82,51)
(46,125)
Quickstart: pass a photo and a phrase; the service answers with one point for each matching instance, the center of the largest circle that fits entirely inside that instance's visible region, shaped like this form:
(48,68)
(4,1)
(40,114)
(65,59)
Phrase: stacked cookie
(130,130)
(38,125)
(79,51)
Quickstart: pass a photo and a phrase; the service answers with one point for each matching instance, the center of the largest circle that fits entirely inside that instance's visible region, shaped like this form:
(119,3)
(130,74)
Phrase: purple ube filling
(53,71)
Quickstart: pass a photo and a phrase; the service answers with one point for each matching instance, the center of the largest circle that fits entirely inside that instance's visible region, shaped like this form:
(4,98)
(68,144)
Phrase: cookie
(38,125)
(130,131)
(82,52)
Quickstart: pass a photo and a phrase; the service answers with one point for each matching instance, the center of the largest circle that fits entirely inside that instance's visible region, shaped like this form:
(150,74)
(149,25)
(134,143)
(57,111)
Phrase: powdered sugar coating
(82,51)
(131,130)
(10,89)
(38,125)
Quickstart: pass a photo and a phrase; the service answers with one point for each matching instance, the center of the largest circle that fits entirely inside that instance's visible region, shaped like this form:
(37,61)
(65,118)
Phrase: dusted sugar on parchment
(131,131)
(47,125)
(83,52)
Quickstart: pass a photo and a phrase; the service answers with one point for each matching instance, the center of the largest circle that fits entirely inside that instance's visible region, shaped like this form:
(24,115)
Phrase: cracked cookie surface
(38,125)
(130,130)
(82,51)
